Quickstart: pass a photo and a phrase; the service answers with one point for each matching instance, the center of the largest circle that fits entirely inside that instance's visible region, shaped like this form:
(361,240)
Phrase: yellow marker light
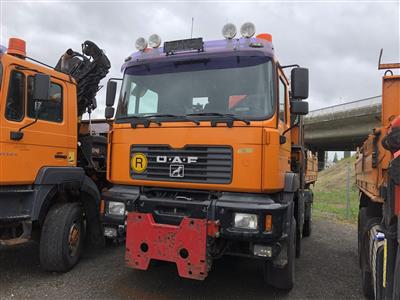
(139,162)
(268,223)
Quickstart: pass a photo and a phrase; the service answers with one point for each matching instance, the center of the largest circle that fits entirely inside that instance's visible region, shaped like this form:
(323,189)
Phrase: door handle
(60,155)
(16,135)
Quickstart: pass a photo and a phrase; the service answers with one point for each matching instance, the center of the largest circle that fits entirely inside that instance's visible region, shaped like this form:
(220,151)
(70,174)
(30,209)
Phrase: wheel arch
(68,184)
(50,184)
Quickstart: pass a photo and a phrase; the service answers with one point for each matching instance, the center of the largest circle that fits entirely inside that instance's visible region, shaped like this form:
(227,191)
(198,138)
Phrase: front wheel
(62,237)
(283,277)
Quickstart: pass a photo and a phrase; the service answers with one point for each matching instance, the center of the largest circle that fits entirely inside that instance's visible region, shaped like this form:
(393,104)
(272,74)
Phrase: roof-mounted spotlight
(154,41)
(229,31)
(247,30)
(141,44)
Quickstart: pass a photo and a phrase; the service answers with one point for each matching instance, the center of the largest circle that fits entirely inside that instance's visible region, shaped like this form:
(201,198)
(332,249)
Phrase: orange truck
(378,180)
(51,167)
(207,153)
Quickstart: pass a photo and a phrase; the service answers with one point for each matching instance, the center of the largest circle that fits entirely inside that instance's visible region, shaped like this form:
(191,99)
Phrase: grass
(330,192)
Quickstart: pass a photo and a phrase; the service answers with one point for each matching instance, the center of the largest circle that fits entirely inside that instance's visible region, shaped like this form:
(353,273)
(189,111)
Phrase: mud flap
(184,244)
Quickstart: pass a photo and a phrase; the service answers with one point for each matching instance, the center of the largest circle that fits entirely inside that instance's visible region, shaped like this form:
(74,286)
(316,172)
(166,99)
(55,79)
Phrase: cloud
(338,42)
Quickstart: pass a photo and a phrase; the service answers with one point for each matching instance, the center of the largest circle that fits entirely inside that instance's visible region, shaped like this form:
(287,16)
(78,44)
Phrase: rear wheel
(307,226)
(365,223)
(278,277)
(299,236)
(62,237)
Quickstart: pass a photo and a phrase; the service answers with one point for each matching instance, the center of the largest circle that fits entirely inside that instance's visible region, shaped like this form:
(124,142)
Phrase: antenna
(191,31)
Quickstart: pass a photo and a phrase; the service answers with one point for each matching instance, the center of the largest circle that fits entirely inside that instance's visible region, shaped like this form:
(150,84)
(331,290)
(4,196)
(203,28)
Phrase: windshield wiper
(231,117)
(136,120)
(173,116)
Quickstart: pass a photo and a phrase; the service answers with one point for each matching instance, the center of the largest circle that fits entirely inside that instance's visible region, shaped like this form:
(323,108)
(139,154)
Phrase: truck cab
(203,154)
(47,192)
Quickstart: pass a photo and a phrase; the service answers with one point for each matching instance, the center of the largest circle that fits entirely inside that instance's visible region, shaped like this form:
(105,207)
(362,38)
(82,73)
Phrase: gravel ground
(327,269)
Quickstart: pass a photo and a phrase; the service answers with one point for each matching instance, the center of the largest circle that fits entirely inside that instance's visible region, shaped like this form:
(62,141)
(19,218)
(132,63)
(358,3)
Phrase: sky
(339,41)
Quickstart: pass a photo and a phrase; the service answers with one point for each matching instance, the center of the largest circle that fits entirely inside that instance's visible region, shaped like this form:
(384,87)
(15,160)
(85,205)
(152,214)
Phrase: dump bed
(311,168)
(372,160)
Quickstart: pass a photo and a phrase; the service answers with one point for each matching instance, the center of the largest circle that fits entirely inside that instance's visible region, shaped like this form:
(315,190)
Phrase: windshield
(240,86)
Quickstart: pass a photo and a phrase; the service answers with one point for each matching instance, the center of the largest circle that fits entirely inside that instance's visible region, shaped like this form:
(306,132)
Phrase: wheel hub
(74,239)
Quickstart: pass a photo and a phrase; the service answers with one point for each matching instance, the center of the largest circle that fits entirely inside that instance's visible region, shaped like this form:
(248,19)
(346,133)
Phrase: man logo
(177,171)
(139,162)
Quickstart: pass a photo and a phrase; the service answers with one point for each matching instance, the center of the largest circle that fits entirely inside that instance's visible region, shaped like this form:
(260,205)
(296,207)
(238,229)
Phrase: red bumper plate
(184,244)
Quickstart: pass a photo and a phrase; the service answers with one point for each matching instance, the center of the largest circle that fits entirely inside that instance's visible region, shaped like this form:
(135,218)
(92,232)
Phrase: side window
(282,100)
(15,97)
(51,110)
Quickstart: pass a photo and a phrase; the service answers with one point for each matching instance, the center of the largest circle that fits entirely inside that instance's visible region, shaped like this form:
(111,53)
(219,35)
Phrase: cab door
(43,143)
(284,124)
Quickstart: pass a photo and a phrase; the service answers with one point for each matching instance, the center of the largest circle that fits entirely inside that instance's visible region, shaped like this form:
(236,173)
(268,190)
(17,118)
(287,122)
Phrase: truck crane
(52,168)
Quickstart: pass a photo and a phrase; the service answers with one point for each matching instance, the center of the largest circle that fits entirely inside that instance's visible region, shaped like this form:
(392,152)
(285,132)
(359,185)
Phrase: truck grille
(200,164)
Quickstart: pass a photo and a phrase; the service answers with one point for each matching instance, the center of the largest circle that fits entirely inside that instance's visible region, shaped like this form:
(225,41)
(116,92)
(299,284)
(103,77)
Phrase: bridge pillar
(321,160)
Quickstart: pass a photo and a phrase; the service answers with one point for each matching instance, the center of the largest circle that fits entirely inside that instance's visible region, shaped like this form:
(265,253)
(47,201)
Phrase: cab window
(50,110)
(282,100)
(15,97)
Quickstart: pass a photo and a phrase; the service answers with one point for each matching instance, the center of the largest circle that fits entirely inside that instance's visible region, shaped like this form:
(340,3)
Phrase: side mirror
(299,83)
(109,112)
(111,92)
(299,107)
(41,87)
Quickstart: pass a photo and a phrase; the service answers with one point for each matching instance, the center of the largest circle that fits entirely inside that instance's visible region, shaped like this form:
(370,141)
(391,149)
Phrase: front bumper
(159,228)
(173,211)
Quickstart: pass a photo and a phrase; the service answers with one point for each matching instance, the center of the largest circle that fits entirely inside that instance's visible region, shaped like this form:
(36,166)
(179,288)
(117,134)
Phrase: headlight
(116,208)
(245,221)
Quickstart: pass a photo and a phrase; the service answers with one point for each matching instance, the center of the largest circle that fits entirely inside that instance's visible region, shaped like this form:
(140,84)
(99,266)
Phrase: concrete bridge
(342,127)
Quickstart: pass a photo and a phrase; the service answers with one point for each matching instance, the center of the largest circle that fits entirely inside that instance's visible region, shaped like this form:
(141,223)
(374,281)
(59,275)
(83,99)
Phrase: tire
(62,237)
(364,224)
(362,218)
(299,236)
(380,290)
(283,278)
(307,228)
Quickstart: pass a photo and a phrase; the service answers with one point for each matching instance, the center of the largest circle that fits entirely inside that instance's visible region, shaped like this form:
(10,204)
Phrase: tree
(335,159)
